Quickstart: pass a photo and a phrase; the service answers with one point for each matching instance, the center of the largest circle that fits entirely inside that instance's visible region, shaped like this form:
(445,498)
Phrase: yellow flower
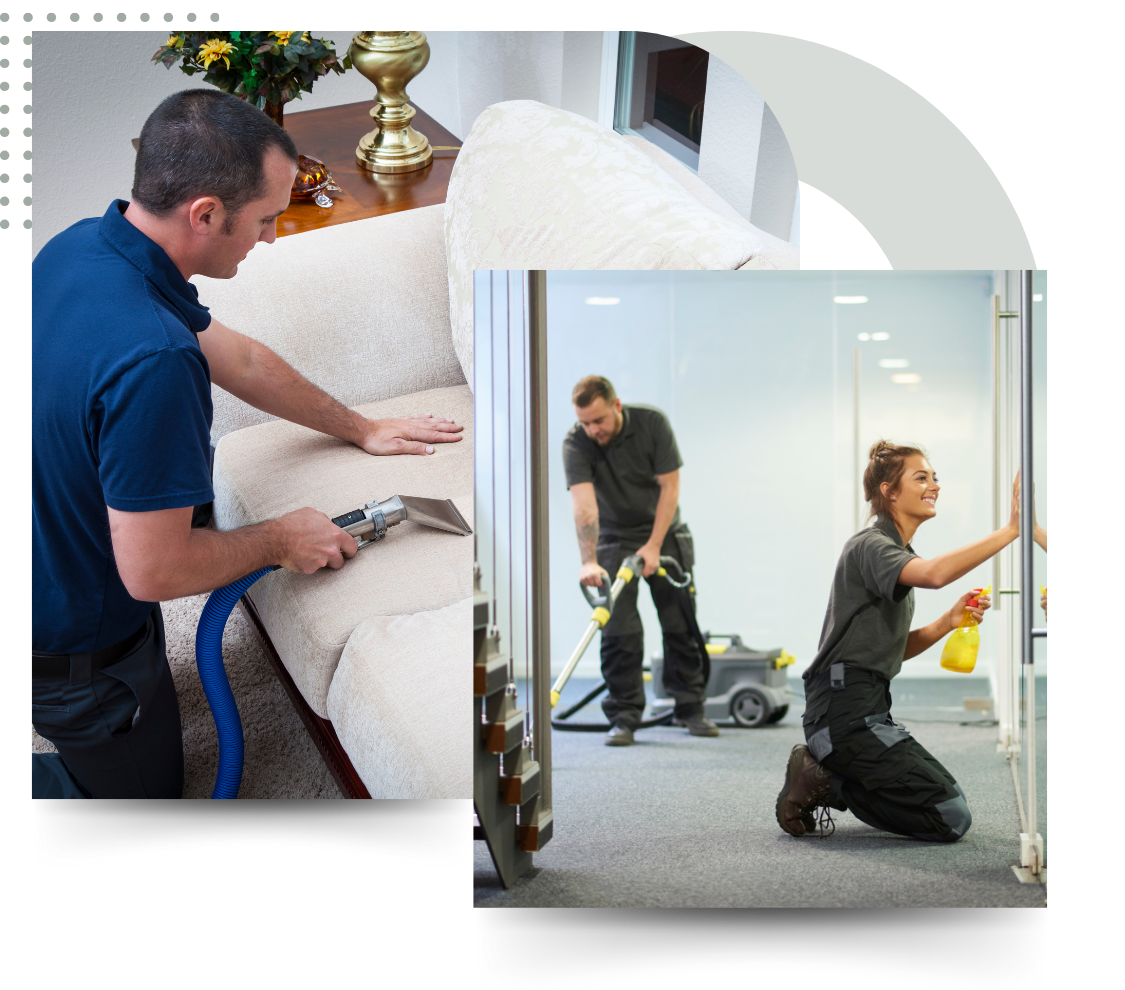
(171,42)
(284,36)
(215,50)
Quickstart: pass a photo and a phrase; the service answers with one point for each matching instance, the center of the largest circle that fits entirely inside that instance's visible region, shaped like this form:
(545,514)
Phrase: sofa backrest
(539,187)
(360,309)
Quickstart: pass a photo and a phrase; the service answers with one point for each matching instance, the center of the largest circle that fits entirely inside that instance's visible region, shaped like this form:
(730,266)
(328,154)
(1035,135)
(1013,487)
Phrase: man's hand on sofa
(253,373)
(409,435)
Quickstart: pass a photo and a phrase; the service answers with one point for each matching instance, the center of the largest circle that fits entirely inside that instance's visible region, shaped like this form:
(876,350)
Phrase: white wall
(743,153)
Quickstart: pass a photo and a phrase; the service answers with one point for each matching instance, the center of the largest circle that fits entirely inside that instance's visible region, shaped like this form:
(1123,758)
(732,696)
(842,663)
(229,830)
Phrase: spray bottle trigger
(977,592)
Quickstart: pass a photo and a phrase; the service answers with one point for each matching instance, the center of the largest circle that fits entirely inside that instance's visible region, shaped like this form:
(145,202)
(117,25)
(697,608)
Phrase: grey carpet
(676,821)
(281,760)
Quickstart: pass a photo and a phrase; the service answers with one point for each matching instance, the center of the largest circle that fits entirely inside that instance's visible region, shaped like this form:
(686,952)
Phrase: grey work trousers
(880,772)
(622,649)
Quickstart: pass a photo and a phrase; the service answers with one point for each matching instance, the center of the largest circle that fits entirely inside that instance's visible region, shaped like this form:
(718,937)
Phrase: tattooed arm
(586,525)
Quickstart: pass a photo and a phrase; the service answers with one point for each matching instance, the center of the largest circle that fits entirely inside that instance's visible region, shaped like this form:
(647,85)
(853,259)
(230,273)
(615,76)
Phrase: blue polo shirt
(121,416)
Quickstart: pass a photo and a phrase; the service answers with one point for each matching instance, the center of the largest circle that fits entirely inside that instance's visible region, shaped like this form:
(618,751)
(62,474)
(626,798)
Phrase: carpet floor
(678,821)
(281,760)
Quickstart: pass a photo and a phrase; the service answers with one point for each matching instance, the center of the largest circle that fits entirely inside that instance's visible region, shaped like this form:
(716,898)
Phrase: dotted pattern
(15,115)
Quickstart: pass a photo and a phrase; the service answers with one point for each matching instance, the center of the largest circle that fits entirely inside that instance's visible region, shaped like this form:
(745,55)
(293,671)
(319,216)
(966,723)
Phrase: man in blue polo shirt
(123,360)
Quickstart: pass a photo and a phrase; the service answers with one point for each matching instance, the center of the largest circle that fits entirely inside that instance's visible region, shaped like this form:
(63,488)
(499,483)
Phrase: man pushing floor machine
(622,468)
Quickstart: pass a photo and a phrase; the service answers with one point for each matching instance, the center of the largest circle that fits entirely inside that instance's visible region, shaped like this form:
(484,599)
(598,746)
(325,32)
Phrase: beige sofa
(377,651)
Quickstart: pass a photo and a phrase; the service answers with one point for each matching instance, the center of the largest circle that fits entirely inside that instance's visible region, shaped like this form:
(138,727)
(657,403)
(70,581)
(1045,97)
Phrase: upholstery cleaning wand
(367,525)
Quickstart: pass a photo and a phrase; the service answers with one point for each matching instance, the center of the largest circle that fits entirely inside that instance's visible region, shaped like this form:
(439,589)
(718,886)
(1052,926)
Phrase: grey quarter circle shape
(881,151)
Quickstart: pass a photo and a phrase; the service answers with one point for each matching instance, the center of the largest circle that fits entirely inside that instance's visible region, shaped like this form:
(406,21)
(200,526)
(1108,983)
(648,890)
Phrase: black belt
(58,664)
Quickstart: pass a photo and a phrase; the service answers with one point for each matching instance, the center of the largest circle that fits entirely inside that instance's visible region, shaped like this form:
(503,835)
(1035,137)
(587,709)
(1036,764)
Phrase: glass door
(1020,571)
(1039,551)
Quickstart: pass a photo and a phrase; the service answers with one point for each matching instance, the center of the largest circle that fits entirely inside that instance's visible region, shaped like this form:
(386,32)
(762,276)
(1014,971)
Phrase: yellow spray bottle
(960,653)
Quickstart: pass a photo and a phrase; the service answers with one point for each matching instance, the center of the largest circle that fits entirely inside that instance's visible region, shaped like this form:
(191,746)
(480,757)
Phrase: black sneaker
(619,735)
(698,725)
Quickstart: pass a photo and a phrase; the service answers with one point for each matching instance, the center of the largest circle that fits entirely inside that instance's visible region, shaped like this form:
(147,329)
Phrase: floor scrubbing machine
(749,686)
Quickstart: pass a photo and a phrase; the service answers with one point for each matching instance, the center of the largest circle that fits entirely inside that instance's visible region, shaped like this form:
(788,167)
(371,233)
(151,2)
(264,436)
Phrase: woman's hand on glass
(1014,520)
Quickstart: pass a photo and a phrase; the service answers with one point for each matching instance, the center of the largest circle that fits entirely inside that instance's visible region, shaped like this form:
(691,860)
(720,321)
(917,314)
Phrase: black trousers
(623,647)
(117,729)
(880,772)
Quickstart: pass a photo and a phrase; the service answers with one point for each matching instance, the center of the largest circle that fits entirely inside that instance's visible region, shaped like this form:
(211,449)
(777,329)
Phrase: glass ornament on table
(313,181)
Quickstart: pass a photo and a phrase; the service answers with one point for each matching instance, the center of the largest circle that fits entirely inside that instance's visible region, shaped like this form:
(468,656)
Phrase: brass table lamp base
(390,59)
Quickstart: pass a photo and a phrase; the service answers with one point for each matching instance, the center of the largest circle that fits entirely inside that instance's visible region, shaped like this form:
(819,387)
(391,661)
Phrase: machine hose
(212,674)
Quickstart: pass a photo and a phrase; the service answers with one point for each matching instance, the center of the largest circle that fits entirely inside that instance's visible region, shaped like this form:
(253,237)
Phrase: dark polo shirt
(624,472)
(121,416)
(869,612)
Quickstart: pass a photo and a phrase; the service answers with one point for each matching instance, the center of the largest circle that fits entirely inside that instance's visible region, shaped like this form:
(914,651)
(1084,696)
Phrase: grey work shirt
(624,472)
(869,612)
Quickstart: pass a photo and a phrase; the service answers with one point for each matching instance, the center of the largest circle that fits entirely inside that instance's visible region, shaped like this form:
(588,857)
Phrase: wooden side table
(332,134)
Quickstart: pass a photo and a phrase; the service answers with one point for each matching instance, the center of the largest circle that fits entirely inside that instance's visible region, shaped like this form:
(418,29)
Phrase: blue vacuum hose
(209,661)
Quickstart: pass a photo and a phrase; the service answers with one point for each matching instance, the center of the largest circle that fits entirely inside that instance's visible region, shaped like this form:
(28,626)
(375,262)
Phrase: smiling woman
(858,758)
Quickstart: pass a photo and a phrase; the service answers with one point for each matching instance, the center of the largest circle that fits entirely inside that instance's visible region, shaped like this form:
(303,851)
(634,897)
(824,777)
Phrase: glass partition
(758,375)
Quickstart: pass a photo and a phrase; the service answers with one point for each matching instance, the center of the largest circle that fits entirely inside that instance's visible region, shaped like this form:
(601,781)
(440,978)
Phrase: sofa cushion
(397,703)
(361,309)
(538,187)
(778,254)
(266,470)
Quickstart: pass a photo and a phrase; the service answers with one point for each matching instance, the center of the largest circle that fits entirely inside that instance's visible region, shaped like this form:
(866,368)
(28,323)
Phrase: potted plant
(267,68)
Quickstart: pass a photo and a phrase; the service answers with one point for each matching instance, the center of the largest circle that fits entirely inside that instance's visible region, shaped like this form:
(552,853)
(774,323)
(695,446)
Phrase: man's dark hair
(590,388)
(202,142)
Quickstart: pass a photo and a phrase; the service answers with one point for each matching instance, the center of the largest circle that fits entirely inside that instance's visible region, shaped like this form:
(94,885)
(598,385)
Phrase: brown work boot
(805,788)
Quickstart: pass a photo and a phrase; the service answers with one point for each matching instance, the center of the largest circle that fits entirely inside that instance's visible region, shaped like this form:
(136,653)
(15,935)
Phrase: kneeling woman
(857,758)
